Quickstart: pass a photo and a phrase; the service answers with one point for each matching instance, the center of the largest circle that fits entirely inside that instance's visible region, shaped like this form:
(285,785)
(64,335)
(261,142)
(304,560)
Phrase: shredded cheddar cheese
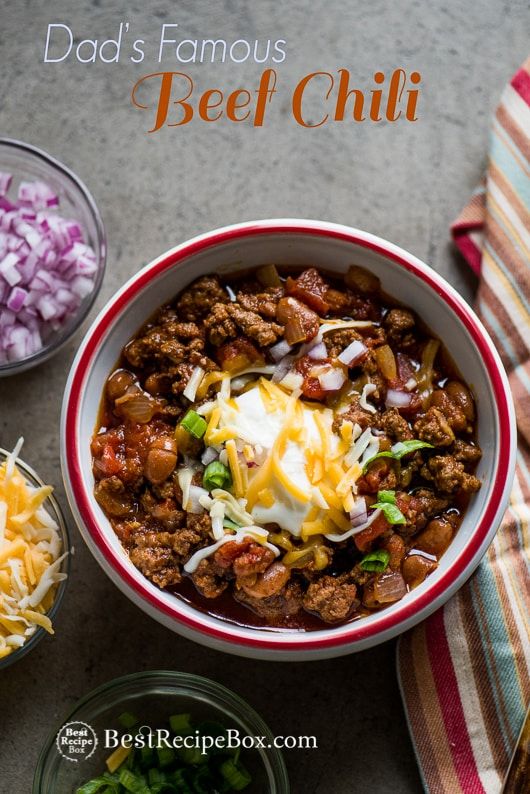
(30,559)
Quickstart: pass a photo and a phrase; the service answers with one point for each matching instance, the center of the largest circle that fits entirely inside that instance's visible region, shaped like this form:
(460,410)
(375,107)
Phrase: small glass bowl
(52,506)
(153,696)
(27,162)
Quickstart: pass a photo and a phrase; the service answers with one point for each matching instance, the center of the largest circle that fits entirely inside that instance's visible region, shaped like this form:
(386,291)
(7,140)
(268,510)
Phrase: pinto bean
(161,460)
(118,383)
(395,545)
(415,569)
(436,537)
(268,583)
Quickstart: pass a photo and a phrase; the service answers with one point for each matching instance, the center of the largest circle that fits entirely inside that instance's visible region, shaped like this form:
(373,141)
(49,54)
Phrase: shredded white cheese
(368,389)
(193,384)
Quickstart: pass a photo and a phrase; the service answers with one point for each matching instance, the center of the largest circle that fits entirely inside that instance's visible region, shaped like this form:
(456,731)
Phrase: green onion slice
(235,774)
(375,561)
(216,475)
(180,723)
(387,496)
(194,424)
(399,450)
(391,512)
(127,719)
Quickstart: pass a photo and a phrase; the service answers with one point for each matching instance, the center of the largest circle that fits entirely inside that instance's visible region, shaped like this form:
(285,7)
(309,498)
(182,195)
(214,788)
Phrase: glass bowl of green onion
(160,732)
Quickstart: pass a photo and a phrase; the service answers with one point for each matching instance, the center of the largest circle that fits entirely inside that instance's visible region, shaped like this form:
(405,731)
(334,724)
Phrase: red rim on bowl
(387,623)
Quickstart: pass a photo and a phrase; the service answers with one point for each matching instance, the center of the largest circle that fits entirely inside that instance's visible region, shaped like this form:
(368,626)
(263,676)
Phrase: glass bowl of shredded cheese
(34,557)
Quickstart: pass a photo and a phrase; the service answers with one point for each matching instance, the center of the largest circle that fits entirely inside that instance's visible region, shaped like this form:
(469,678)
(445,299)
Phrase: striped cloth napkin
(465,672)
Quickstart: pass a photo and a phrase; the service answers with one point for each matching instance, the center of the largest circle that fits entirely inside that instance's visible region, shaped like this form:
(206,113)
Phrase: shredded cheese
(30,557)
(368,389)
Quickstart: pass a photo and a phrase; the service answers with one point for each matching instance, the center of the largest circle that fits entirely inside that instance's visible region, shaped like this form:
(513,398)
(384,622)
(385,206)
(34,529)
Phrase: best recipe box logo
(77,741)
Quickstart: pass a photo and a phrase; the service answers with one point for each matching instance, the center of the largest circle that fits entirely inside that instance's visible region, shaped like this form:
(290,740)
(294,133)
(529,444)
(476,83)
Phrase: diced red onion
(46,268)
(16,299)
(318,351)
(279,350)
(352,353)
(359,514)
(5,182)
(397,399)
(8,269)
(332,380)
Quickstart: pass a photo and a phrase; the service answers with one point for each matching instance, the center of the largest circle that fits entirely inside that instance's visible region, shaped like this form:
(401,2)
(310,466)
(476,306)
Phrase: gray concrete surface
(402,181)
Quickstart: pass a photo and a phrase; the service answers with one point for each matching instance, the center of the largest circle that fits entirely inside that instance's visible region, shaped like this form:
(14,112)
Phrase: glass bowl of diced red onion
(52,255)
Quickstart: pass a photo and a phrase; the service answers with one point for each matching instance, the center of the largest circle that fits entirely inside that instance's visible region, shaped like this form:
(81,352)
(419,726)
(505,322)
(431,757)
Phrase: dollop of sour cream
(258,424)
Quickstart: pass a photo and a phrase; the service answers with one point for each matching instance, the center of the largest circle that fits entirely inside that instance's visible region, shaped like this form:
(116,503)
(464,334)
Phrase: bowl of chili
(295,244)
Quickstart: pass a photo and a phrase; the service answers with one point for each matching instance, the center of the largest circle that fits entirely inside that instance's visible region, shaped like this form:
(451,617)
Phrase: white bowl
(334,248)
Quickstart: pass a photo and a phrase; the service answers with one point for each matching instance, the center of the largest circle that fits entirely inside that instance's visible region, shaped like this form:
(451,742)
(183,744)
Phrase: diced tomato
(109,463)
(310,288)
(311,387)
(364,539)
(405,368)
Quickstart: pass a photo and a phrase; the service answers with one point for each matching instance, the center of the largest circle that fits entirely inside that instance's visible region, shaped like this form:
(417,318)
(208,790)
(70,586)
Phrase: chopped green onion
(391,512)
(399,449)
(156,776)
(235,774)
(96,784)
(127,719)
(180,723)
(180,779)
(166,756)
(202,781)
(146,755)
(194,424)
(191,755)
(216,475)
(132,782)
(406,447)
(375,561)
(387,496)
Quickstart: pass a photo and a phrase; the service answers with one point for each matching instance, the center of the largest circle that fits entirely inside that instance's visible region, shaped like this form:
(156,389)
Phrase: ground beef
(398,323)
(355,414)
(207,580)
(337,341)
(332,598)
(196,302)
(395,425)
(163,342)
(468,454)
(154,556)
(277,608)
(434,428)
(219,325)
(226,321)
(456,418)
(419,508)
(163,512)
(262,303)
(113,497)
(340,302)
(449,475)
(200,524)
